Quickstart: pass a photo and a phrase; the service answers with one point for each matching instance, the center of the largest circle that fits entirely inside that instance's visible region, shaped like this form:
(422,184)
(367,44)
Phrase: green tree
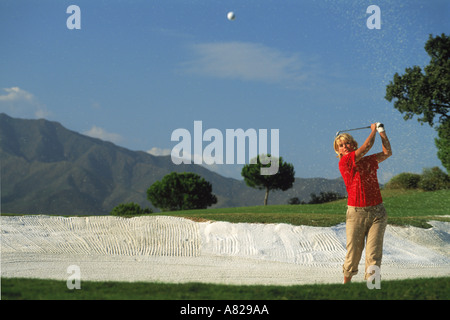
(282,180)
(427,94)
(181,191)
(443,144)
(129,209)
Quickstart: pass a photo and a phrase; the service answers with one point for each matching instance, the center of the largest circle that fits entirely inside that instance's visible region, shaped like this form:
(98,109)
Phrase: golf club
(337,133)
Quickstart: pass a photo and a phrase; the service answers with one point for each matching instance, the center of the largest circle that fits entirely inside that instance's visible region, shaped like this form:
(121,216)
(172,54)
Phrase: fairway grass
(410,289)
(404,207)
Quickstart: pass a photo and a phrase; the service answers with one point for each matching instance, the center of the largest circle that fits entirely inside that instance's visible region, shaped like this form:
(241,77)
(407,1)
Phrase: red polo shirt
(361,180)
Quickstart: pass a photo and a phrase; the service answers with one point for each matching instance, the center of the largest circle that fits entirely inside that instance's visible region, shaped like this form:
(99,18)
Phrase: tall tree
(443,144)
(427,94)
(283,180)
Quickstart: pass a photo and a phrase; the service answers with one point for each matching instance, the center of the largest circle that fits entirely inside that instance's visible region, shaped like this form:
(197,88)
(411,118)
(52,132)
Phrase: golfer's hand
(373,126)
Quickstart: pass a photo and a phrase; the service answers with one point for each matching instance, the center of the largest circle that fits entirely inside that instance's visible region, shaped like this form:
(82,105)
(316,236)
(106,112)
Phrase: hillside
(46,168)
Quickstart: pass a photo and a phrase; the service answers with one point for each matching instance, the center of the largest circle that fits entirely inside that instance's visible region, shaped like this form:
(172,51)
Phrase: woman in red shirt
(366,218)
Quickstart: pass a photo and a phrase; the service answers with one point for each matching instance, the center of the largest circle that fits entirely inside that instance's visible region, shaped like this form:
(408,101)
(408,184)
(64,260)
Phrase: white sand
(169,249)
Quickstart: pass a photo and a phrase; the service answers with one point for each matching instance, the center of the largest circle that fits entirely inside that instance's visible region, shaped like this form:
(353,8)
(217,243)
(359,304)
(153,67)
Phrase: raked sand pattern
(171,249)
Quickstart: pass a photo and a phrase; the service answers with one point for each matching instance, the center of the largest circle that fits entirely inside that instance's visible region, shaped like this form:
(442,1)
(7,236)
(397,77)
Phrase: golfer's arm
(367,145)
(387,150)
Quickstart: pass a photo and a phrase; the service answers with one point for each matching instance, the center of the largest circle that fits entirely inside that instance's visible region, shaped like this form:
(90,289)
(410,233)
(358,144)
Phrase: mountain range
(48,169)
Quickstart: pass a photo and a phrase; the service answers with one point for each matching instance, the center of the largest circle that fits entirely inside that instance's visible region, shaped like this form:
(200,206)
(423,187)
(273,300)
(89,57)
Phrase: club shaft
(337,133)
(355,129)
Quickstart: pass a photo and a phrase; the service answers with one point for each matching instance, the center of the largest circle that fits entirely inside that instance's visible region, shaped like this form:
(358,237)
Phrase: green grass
(36,289)
(404,207)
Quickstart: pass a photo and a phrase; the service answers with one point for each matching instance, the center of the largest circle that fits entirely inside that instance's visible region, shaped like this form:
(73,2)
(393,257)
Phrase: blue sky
(138,70)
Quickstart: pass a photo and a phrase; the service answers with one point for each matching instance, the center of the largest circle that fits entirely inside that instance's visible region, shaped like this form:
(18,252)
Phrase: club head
(337,133)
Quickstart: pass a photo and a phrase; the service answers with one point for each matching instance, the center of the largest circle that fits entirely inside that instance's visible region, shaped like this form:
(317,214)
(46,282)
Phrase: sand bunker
(170,249)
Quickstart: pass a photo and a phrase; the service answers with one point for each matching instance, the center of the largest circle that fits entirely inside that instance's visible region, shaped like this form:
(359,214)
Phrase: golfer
(366,218)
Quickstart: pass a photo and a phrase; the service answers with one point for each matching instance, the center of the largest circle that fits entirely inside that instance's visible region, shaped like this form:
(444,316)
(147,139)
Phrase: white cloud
(245,61)
(100,133)
(159,152)
(18,102)
(16,94)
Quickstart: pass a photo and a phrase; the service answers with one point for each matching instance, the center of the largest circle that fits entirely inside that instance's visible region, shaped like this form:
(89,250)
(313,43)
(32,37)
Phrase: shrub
(434,179)
(325,197)
(296,200)
(129,209)
(404,180)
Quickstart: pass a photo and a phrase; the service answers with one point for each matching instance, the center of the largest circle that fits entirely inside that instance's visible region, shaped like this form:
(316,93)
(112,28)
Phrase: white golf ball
(231,16)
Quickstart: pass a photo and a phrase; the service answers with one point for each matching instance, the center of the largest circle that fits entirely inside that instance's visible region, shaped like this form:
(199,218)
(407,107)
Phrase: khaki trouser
(364,223)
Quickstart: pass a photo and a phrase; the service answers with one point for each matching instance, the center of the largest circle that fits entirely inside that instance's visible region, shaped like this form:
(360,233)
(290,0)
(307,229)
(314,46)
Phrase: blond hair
(344,137)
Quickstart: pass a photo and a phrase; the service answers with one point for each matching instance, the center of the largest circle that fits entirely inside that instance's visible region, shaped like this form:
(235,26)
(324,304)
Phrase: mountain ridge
(48,169)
